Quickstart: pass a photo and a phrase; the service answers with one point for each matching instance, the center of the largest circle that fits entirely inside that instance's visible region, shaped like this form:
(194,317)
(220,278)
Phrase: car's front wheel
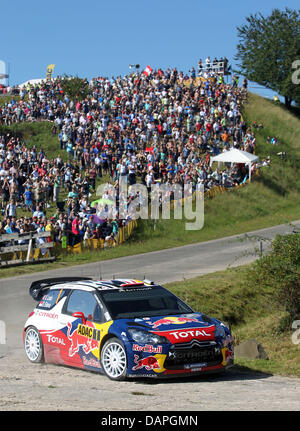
(113,359)
(33,345)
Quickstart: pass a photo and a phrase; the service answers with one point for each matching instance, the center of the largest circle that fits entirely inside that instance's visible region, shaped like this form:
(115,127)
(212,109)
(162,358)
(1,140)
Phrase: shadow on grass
(295,110)
(271,184)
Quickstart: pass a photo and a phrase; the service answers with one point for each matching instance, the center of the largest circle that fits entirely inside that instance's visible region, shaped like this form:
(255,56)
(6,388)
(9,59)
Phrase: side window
(98,315)
(85,302)
(51,298)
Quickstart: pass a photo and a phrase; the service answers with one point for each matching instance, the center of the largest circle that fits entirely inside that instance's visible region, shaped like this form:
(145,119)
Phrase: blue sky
(97,38)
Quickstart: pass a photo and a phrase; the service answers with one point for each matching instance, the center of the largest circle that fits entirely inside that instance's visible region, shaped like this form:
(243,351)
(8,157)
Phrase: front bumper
(174,360)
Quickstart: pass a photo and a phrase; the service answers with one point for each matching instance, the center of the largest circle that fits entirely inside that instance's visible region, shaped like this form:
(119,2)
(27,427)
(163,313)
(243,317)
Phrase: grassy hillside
(272,197)
(7,98)
(39,135)
(251,312)
(277,120)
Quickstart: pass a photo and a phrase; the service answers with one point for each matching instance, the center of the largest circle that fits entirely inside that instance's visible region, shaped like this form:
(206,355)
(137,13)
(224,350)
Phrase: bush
(75,88)
(279,271)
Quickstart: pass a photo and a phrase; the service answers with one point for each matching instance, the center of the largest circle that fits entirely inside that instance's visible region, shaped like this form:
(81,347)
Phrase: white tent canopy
(32,82)
(235,156)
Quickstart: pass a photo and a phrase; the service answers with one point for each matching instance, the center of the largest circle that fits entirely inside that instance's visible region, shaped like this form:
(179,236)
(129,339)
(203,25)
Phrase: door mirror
(79,315)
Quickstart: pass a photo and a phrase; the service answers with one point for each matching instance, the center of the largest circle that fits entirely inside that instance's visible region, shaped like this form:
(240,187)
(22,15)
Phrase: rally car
(122,328)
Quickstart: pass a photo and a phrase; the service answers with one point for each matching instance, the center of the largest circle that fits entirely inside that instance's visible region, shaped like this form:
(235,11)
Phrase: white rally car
(123,328)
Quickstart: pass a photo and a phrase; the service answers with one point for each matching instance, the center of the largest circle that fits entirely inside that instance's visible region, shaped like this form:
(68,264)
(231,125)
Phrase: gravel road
(26,386)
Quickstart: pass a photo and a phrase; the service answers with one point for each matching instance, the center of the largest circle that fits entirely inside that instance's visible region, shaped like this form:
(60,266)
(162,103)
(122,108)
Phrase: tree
(74,87)
(268,49)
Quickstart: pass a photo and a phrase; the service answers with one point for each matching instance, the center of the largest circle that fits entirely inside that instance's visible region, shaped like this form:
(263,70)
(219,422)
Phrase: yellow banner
(50,69)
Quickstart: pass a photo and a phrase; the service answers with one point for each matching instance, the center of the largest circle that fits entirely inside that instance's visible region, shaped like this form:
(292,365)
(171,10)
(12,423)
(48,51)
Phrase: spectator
(158,130)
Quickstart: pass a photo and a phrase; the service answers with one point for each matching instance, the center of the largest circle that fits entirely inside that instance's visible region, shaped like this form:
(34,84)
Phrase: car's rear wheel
(33,345)
(114,359)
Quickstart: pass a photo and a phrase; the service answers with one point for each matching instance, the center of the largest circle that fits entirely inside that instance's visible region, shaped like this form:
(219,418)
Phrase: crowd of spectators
(211,68)
(161,128)
(34,184)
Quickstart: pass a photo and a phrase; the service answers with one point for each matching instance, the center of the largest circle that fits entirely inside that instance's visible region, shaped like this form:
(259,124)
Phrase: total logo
(190,333)
(55,340)
(187,335)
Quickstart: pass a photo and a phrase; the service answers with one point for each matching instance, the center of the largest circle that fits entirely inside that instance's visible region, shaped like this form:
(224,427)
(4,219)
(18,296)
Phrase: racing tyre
(114,360)
(33,345)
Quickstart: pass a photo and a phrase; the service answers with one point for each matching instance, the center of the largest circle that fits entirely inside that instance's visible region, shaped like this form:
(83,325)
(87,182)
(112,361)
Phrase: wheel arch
(108,367)
(106,338)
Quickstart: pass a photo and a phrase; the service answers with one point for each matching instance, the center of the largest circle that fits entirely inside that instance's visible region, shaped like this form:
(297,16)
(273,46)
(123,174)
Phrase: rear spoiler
(37,287)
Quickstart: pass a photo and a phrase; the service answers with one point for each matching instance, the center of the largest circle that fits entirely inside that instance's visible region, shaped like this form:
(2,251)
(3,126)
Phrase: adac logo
(172,320)
(85,336)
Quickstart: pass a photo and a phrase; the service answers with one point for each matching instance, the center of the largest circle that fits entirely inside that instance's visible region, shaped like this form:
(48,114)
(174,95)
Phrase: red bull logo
(150,363)
(228,354)
(172,320)
(85,336)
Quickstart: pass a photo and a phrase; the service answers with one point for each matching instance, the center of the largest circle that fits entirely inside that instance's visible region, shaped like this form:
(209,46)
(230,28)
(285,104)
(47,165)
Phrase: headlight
(146,337)
(219,332)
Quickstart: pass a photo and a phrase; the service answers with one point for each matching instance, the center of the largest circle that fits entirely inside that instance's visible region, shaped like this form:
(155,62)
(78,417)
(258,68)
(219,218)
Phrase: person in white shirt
(208,64)
(149,180)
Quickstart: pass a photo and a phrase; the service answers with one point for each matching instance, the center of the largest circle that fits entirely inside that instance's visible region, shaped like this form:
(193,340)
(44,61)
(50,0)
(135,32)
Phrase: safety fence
(97,244)
(208,193)
(34,247)
(31,247)
(221,189)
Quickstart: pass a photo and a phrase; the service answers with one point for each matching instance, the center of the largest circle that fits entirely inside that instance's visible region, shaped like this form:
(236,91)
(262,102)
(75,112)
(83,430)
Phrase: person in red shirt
(42,171)
(75,230)
(209,128)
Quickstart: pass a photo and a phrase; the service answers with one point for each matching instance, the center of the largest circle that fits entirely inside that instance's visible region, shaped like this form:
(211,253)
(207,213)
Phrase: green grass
(278,122)
(251,312)
(37,134)
(7,98)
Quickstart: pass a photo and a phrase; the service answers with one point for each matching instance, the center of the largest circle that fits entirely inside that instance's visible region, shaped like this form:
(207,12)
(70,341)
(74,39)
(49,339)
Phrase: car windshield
(143,302)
